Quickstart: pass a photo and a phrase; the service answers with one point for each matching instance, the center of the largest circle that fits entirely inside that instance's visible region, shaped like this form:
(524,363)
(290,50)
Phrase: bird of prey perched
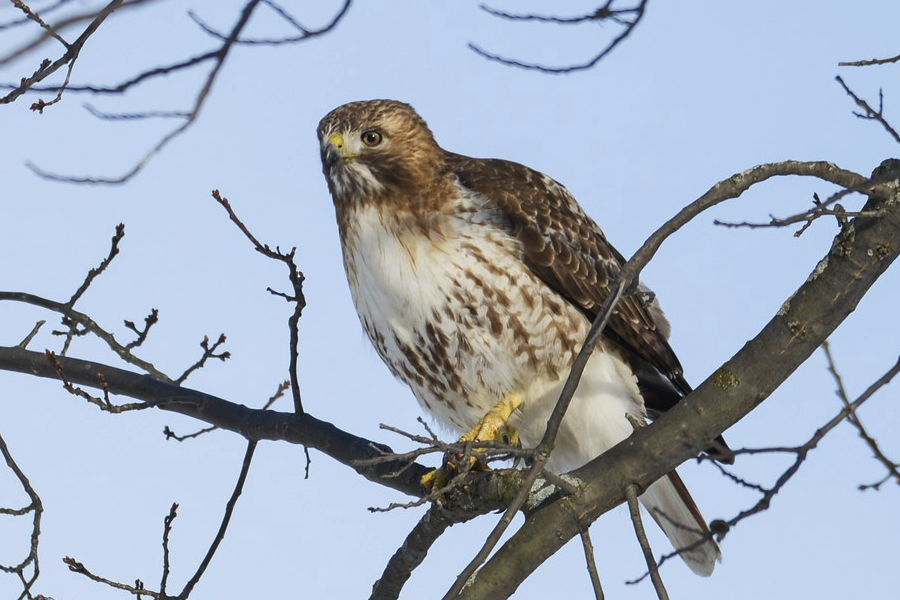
(477,280)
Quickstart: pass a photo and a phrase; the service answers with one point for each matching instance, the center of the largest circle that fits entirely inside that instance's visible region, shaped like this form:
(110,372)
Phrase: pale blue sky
(700,91)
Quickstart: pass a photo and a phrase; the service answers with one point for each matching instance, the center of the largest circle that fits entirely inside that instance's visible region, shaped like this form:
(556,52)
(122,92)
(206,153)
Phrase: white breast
(457,315)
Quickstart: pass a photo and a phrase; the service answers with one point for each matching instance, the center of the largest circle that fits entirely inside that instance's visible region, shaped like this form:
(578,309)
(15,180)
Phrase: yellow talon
(493,426)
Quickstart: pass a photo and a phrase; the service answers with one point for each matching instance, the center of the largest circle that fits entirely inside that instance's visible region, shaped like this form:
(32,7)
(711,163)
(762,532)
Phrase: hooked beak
(335,149)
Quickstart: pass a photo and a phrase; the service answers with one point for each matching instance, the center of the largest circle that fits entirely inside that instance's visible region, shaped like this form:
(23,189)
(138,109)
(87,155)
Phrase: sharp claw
(492,427)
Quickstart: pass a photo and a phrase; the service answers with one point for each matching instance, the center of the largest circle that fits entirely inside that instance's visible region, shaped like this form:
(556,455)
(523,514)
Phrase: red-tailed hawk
(477,280)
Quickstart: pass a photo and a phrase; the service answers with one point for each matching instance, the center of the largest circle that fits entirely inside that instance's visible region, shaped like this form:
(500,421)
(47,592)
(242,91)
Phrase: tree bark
(860,253)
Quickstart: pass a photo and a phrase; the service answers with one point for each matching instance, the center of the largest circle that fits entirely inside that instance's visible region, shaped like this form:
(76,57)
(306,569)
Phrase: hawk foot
(493,427)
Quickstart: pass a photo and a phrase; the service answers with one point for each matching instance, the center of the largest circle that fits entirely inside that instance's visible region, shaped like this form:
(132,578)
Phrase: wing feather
(567,249)
(570,253)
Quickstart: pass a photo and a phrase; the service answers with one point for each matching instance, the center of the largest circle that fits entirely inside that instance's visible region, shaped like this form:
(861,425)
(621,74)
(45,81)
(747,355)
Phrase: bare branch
(37,509)
(34,330)
(870,62)
(247,422)
(89,278)
(724,398)
(31,15)
(44,11)
(90,325)
(226,519)
(220,55)
(870,113)
(171,435)
(305,33)
(93,273)
(124,86)
(634,510)
(208,352)
(104,403)
(59,25)
(157,114)
(628,18)
(135,590)
(167,529)
(138,589)
(591,564)
(296,278)
(71,54)
(413,551)
(891,466)
(149,321)
(626,280)
(807,217)
(722,527)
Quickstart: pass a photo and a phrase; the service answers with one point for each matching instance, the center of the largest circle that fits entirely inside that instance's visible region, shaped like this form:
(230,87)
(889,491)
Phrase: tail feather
(673,509)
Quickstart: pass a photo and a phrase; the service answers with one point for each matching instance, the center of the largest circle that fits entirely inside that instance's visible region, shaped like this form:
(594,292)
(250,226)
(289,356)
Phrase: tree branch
(413,551)
(253,424)
(634,510)
(862,251)
(627,18)
(624,284)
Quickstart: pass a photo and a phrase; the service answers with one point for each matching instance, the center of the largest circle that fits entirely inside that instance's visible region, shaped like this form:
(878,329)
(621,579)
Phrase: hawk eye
(371,138)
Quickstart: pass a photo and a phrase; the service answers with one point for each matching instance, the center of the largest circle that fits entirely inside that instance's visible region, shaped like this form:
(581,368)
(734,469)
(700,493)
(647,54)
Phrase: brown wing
(570,253)
(567,250)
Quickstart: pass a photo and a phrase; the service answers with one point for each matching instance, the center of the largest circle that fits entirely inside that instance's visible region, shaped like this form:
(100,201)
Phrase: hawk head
(377,148)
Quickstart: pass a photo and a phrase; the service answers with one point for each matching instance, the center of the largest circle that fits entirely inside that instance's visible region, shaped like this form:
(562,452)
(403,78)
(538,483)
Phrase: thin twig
(104,404)
(891,466)
(600,14)
(296,278)
(226,519)
(220,55)
(136,590)
(154,114)
(604,13)
(72,50)
(305,34)
(34,330)
(591,563)
(90,325)
(88,280)
(634,509)
(149,321)
(35,507)
(93,273)
(870,62)
(801,452)
(31,15)
(869,112)
(208,352)
(167,529)
(44,11)
(721,527)
(820,209)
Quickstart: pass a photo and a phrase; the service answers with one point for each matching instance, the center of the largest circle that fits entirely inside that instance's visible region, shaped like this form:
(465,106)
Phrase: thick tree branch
(253,424)
(625,284)
(413,551)
(862,251)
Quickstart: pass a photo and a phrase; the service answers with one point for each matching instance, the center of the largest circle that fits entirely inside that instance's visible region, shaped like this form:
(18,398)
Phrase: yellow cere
(337,140)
